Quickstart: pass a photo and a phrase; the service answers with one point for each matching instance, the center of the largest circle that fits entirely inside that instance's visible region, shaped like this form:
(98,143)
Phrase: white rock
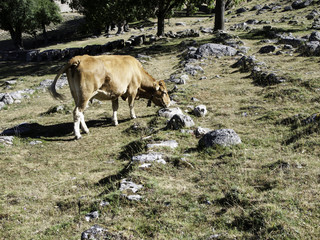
(169,143)
(169,112)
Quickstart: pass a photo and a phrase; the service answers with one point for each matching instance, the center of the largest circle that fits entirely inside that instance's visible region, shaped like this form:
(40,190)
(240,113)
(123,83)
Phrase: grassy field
(265,188)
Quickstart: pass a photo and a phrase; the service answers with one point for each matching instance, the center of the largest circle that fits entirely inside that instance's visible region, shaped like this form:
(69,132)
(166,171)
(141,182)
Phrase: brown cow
(108,77)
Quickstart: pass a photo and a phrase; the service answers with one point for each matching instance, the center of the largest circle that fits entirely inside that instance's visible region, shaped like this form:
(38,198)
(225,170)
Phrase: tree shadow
(22,69)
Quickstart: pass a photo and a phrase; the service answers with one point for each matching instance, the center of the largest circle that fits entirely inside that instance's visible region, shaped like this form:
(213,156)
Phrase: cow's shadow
(56,131)
(52,132)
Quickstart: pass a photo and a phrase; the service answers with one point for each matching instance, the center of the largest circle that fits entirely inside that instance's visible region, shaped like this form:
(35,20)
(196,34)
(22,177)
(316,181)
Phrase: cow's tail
(52,89)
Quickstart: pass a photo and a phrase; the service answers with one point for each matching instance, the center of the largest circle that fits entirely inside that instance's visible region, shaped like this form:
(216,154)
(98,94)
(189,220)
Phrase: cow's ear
(156,86)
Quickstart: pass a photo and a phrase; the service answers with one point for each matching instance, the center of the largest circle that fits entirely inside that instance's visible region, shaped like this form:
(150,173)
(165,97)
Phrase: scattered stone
(256,8)
(169,143)
(143,57)
(314,36)
(313,118)
(240,26)
(223,137)
(36,142)
(316,24)
(169,112)
(128,187)
(179,80)
(91,216)
(287,8)
(206,30)
(295,42)
(241,10)
(60,83)
(199,131)
(104,203)
(301,4)
(192,69)
(135,197)
(149,157)
(2,105)
(267,49)
(97,232)
(6,140)
(314,13)
(180,24)
(7,99)
(179,121)
(200,111)
(145,165)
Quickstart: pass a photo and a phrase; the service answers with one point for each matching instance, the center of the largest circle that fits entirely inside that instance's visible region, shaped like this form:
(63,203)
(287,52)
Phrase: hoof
(77,137)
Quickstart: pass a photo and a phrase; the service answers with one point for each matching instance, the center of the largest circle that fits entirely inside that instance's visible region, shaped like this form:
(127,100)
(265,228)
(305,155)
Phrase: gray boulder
(222,137)
(179,121)
(213,49)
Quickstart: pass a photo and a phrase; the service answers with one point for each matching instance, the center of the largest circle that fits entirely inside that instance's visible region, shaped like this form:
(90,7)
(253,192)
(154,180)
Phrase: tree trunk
(219,15)
(16,37)
(161,18)
(45,36)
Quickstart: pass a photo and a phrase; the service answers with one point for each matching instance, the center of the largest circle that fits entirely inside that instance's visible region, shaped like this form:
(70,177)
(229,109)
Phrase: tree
(46,12)
(219,15)
(16,16)
(219,12)
(163,10)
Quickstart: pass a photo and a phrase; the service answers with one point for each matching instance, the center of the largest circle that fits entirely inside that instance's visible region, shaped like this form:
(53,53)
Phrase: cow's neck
(146,89)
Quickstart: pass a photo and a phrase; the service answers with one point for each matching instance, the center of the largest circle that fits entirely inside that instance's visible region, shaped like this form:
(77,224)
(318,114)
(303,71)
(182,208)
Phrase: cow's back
(122,72)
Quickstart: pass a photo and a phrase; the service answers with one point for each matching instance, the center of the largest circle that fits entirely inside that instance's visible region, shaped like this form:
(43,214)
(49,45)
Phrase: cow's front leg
(115,106)
(131,106)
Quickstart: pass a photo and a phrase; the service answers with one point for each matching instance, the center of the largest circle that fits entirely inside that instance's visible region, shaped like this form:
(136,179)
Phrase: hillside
(100,187)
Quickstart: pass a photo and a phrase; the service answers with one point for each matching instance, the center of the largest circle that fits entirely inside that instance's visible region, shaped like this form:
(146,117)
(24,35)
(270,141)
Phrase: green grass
(265,188)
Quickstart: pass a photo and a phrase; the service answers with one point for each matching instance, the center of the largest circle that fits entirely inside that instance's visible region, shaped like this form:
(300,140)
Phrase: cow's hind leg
(115,106)
(77,115)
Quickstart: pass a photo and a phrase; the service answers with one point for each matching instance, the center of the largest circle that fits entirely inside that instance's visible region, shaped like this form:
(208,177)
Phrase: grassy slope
(266,188)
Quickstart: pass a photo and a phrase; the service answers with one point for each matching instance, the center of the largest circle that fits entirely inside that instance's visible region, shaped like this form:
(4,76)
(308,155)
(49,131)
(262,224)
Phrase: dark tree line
(30,16)
(27,16)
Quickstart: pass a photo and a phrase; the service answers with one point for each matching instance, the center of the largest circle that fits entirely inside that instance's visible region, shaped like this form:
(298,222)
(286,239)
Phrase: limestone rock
(149,157)
(169,112)
(179,121)
(200,110)
(169,143)
(222,137)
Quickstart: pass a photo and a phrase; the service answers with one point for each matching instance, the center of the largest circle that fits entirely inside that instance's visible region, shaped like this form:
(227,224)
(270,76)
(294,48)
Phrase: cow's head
(160,97)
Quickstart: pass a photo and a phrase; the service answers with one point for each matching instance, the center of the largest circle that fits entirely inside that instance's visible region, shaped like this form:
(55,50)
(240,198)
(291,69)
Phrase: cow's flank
(108,77)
